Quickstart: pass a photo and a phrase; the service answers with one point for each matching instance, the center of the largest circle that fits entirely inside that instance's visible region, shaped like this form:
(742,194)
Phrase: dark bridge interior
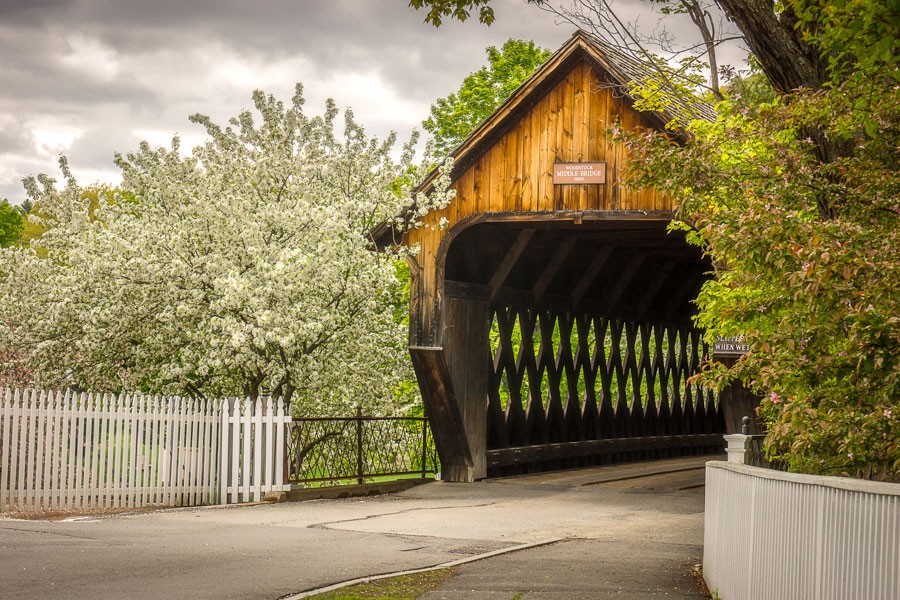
(588,339)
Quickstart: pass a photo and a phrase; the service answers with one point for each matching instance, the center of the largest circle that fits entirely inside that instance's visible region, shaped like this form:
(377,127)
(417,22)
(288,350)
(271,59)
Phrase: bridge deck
(673,474)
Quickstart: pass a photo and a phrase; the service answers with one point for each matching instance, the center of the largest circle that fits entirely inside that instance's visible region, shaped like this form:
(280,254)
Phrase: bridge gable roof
(620,70)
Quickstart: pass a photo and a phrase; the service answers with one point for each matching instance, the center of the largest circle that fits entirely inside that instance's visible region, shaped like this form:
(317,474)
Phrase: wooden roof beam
(509,261)
(624,280)
(665,270)
(552,269)
(590,275)
(687,286)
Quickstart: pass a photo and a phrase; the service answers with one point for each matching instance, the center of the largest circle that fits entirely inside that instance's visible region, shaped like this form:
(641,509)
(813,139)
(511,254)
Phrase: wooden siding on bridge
(568,123)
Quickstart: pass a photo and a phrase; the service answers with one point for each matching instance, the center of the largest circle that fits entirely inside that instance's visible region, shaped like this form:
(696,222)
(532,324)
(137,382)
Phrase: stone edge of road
(446,565)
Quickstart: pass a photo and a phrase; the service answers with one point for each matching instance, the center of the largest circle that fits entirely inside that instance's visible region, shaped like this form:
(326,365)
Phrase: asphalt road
(624,532)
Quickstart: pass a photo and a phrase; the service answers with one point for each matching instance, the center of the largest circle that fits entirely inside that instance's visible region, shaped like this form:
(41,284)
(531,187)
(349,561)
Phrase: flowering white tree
(244,267)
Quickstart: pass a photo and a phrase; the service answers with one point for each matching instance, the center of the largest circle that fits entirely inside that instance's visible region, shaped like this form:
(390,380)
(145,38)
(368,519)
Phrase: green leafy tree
(804,236)
(11,223)
(453,118)
(455,9)
(794,193)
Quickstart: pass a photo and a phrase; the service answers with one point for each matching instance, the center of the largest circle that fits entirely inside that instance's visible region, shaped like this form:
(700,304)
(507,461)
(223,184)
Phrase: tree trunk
(790,63)
(787,60)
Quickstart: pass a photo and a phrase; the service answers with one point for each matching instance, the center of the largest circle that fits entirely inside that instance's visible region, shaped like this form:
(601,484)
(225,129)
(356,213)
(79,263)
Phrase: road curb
(446,565)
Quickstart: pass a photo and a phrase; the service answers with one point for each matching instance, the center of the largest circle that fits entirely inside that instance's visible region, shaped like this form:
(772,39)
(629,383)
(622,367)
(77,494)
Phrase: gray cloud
(91,77)
(94,76)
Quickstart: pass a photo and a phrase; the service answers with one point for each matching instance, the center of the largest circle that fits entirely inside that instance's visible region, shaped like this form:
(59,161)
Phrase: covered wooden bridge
(551,317)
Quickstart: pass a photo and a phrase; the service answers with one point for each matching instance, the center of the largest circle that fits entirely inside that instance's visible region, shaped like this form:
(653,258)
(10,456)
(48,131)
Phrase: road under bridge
(623,531)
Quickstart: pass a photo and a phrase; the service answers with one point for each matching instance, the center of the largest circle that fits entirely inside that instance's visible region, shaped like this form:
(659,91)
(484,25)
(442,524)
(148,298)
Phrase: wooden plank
(55,461)
(139,468)
(601,97)
(44,441)
(156,457)
(37,439)
(201,452)
(107,450)
(87,452)
(531,159)
(45,468)
(465,195)
(167,452)
(6,426)
(16,454)
(580,99)
(210,455)
(117,440)
(217,449)
(509,260)
(64,457)
(480,186)
(547,151)
(6,464)
(170,449)
(76,451)
(562,139)
(280,446)
(246,429)
(224,451)
(512,170)
(193,479)
(257,450)
(496,158)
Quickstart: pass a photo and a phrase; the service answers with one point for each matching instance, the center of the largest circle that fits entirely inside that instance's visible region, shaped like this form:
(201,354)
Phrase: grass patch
(403,587)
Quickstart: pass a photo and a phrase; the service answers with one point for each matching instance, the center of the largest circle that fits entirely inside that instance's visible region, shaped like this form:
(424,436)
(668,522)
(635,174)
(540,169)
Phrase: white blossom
(245,266)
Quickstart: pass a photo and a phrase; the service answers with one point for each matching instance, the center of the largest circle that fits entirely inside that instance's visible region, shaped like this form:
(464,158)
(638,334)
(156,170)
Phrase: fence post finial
(737,443)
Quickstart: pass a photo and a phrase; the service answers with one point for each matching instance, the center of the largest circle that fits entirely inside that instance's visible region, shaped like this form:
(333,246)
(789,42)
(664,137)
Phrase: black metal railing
(344,450)
(755,455)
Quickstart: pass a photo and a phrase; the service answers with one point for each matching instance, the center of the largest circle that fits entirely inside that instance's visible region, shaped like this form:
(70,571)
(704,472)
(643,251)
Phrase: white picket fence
(68,451)
(252,450)
(792,536)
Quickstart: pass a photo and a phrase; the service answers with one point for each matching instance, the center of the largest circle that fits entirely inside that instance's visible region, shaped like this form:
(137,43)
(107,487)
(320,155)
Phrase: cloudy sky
(87,78)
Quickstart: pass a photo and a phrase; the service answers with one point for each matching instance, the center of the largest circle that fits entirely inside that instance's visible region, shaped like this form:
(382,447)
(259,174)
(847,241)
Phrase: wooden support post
(443,412)
(466,347)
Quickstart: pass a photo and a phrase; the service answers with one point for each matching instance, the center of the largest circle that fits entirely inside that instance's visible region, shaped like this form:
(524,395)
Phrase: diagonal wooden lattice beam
(509,261)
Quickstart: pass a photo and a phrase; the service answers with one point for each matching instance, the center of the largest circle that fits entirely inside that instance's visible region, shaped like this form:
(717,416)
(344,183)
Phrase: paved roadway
(625,532)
